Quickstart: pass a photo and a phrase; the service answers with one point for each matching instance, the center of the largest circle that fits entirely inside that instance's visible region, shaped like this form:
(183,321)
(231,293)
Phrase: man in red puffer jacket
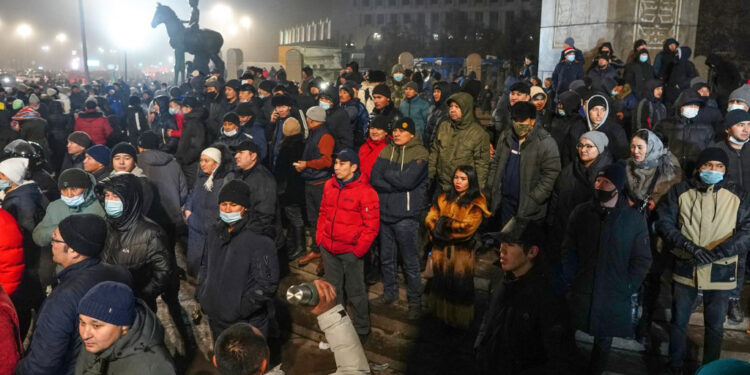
(11,347)
(349,221)
(376,141)
(93,123)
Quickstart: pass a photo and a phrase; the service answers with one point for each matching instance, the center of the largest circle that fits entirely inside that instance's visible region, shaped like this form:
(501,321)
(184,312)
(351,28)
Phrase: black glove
(442,230)
(700,254)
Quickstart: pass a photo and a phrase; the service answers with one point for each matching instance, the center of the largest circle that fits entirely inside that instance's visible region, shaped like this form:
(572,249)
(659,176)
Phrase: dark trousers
(400,238)
(347,274)
(742,261)
(599,355)
(313,198)
(293,214)
(714,312)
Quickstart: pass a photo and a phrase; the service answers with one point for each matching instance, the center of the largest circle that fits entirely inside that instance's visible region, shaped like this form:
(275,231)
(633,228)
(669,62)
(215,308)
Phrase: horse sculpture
(203,44)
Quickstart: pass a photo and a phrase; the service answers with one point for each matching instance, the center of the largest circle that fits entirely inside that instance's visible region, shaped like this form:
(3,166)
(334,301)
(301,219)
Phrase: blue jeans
(401,238)
(714,312)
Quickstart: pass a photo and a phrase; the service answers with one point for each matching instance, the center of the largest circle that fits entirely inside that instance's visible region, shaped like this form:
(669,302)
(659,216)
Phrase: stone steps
(393,336)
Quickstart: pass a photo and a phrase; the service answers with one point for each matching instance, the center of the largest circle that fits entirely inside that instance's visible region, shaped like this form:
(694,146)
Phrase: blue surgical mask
(230,133)
(324,105)
(613,92)
(561,112)
(571,57)
(172,111)
(711,177)
(732,107)
(73,201)
(643,58)
(398,77)
(4,184)
(230,217)
(113,208)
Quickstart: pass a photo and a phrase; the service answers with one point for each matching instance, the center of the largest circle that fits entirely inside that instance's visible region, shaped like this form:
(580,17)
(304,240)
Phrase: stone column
(621,22)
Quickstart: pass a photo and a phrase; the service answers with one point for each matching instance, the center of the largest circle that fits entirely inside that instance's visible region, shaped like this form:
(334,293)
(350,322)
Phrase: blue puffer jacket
(417,109)
(56,343)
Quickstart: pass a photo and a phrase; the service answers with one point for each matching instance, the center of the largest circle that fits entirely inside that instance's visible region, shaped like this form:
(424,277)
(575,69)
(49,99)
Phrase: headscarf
(654,153)
(215,155)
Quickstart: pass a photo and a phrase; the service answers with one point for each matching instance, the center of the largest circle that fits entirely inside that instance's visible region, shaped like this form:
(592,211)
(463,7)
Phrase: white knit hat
(215,154)
(14,169)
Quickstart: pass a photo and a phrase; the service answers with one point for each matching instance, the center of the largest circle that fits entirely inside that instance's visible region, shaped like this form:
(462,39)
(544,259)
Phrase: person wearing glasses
(77,243)
(574,186)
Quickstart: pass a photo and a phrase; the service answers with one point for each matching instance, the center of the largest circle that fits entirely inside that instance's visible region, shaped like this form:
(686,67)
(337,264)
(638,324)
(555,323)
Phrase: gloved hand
(442,230)
(700,254)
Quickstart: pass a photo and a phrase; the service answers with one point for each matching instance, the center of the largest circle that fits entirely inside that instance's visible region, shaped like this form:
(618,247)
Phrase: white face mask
(689,112)
(230,133)
(732,107)
(737,141)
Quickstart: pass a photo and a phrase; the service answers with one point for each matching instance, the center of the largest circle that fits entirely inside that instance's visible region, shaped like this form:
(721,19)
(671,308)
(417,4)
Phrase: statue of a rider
(192,24)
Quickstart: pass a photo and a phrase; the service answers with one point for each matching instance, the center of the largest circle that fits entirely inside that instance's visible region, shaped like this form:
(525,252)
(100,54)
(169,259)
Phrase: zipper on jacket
(333,221)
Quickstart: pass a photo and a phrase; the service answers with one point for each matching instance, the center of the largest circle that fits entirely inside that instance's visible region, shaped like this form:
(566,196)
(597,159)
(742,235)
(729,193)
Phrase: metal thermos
(303,294)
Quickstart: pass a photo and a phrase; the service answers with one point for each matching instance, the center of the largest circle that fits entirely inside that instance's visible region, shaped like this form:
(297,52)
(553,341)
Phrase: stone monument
(474,64)
(621,22)
(294,63)
(406,59)
(234,60)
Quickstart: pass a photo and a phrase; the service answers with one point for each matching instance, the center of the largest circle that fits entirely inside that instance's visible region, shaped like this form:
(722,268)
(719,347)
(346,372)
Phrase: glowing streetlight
(45,48)
(222,12)
(61,37)
(246,22)
(233,30)
(24,30)
(377,36)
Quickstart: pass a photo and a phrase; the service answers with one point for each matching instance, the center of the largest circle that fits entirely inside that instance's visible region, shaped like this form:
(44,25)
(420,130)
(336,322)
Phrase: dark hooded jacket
(239,275)
(438,113)
(637,75)
(141,351)
(134,241)
(289,183)
(263,199)
(456,143)
(526,329)
(679,76)
(561,125)
(606,255)
(56,342)
(686,138)
(135,122)
(574,186)
(194,137)
(170,184)
(163,122)
(650,110)
(619,147)
(539,168)
(665,59)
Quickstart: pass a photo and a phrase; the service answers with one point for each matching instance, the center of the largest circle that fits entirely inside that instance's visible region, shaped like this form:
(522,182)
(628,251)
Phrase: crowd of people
(593,187)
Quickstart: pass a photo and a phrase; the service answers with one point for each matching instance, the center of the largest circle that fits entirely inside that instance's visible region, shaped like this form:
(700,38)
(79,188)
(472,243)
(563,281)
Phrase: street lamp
(24,30)
(222,12)
(45,48)
(377,36)
(246,22)
(61,37)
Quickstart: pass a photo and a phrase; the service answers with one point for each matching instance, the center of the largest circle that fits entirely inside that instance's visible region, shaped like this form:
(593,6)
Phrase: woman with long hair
(453,221)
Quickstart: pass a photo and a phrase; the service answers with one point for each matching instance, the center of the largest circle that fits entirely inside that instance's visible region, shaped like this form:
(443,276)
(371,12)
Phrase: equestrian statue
(203,44)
